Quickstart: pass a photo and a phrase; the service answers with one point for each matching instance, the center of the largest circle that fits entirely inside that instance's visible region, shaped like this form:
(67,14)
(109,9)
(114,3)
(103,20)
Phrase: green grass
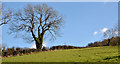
(93,54)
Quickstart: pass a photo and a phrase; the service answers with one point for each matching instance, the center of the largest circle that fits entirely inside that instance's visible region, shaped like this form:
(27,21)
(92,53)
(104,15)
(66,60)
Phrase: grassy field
(93,54)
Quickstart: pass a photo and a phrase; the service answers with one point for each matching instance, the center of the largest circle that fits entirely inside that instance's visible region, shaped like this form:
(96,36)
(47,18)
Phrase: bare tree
(37,20)
(110,33)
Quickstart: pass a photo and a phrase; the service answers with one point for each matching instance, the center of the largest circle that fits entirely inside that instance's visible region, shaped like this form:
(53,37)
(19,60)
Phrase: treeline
(113,42)
(19,51)
(64,47)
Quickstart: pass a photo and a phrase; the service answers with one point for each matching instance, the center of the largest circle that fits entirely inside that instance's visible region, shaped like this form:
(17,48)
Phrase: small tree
(110,33)
(37,20)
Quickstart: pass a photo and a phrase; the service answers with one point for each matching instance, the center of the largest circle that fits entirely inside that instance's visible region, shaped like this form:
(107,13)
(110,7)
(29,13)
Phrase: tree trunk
(108,44)
(39,43)
(38,40)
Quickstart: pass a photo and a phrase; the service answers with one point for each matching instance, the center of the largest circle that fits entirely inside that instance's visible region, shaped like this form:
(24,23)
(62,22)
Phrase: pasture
(93,54)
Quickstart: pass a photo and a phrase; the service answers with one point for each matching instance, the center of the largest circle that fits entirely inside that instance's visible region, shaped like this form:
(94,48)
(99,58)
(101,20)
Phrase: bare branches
(37,20)
(6,16)
(112,32)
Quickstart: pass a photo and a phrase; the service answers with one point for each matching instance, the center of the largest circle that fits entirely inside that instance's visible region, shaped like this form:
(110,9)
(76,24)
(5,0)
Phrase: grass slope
(93,54)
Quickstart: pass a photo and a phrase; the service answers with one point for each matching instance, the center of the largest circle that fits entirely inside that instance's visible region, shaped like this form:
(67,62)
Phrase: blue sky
(85,22)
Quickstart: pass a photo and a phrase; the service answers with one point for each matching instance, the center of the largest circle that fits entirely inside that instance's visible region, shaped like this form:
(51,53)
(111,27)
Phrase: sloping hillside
(93,54)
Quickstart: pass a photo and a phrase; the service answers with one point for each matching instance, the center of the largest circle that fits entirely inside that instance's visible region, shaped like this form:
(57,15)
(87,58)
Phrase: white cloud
(95,32)
(34,45)
(44,44)
(116,32)
(104,30)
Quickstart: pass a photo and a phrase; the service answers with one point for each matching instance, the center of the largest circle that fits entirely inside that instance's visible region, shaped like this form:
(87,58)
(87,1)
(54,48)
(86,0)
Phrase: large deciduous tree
(37,20)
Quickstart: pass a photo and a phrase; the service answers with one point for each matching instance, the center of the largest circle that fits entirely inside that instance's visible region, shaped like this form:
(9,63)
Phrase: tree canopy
(37,20)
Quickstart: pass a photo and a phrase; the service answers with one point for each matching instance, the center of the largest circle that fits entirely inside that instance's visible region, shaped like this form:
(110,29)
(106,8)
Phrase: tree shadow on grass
(108,58)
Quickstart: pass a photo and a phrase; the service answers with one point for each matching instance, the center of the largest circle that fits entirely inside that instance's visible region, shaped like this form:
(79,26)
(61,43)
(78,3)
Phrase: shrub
(10,51)
(5,54)
(33,50)
(14,53)
(44,49)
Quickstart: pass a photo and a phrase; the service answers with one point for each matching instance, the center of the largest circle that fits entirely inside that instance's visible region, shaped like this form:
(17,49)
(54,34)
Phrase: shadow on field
(108,58)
